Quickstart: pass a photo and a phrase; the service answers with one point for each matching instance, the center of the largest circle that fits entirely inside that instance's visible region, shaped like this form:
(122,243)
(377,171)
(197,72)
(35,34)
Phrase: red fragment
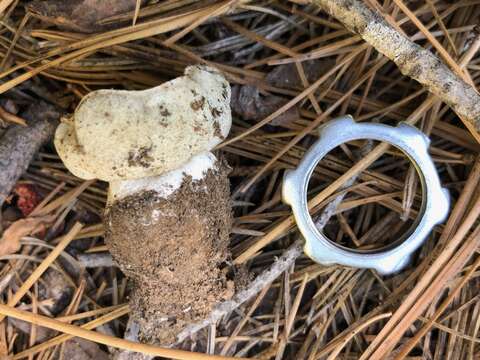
(28,198)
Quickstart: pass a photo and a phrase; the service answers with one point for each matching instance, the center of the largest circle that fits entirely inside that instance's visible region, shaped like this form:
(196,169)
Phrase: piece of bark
(286,76)
(80,15)
(249,104)
(18,145)
(412,59)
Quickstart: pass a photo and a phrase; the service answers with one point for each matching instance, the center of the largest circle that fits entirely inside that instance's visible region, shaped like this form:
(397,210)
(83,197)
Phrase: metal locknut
(391,258)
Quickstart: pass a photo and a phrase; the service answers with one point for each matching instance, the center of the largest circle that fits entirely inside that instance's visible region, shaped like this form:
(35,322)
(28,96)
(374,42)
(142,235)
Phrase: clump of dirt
(176,253)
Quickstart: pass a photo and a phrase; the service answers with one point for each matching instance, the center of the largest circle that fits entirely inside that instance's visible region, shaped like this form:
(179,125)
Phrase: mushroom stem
(170,235)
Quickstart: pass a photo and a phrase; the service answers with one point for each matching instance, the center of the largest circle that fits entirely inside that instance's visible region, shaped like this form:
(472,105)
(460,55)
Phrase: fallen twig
(20,144)
(412,59)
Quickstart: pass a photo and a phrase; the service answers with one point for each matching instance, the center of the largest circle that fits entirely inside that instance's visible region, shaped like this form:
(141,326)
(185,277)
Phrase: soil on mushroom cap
(175,254)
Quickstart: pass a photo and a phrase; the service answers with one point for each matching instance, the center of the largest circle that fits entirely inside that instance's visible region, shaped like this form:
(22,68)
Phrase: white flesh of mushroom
(165,184)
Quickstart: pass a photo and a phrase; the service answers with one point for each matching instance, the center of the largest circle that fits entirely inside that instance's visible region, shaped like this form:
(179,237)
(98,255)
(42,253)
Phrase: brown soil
(173,250)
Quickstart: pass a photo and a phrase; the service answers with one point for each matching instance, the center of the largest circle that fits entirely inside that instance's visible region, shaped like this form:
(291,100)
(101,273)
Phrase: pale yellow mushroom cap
(120,134)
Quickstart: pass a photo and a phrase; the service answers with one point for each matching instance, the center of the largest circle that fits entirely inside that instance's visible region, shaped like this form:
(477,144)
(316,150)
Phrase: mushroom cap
(120,134)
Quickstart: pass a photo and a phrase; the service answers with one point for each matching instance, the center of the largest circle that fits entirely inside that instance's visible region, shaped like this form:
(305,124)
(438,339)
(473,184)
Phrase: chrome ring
(435,199)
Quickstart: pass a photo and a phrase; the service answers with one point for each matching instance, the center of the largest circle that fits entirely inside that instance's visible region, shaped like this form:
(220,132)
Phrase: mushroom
(168,214)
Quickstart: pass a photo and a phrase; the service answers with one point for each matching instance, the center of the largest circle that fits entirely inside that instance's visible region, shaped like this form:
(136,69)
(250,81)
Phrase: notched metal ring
(394,257)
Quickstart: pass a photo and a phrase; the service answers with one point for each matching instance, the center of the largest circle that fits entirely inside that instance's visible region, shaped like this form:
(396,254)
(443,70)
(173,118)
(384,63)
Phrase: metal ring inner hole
(406,232)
